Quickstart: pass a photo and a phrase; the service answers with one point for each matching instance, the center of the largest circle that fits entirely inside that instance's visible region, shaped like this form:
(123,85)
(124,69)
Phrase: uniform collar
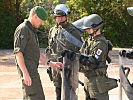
(98,36)
(28,23)
(63,24)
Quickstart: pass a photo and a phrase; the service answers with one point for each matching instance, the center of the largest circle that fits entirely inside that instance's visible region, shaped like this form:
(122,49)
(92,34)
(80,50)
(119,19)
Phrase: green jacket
(96,47)
(26,41)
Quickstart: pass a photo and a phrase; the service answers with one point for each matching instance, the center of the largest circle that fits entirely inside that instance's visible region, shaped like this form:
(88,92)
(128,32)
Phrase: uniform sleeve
(48,49)
(20,40)
(49,36)
(100,50)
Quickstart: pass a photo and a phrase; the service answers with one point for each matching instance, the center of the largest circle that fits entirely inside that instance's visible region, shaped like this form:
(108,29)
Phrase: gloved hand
(70,54)
(84,60)
(122,53)
(88,61)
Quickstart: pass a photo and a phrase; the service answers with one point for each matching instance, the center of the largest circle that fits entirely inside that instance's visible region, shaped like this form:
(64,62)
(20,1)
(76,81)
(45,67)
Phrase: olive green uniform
(98,48)
(58,43)
(26,41)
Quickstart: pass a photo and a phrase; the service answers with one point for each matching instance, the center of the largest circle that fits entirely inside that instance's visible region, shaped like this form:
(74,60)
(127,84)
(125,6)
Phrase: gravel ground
(10,88)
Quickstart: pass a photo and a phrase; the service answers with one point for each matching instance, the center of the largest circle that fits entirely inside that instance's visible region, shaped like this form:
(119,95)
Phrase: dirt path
(10,84)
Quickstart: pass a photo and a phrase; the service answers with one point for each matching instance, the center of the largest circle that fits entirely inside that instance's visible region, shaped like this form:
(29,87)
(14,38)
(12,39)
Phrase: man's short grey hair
(32,12)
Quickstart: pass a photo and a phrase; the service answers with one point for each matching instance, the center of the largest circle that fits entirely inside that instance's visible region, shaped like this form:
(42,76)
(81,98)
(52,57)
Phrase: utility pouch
(104,84)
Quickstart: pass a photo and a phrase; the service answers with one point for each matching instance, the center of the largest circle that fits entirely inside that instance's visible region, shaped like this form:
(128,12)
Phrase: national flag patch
(99,51)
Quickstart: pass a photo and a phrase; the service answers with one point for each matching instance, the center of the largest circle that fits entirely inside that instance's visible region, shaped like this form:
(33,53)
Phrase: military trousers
(33,92)
(92,91)
(57,80)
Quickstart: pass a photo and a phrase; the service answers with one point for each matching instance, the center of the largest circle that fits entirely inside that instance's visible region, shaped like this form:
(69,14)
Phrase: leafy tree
(117,28)
(118,22)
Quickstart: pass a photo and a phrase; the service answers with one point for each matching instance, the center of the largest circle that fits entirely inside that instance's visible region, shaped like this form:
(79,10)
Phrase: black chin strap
(62,22)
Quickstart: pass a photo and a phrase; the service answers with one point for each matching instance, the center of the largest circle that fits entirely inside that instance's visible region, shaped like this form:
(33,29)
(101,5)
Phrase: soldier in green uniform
(63,36)
(125,53)
(95,68)
(27,54)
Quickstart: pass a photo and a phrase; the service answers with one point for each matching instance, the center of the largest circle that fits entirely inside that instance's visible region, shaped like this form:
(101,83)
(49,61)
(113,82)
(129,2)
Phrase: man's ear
(35,16)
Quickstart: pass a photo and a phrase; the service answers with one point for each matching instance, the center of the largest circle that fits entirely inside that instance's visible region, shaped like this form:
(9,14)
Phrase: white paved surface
(10,84)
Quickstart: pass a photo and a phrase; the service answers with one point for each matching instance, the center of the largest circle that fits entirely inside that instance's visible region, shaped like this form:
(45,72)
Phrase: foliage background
(118,23)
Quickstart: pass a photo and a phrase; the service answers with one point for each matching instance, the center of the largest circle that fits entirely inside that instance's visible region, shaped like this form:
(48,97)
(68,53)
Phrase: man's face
(37,21)
(60,19)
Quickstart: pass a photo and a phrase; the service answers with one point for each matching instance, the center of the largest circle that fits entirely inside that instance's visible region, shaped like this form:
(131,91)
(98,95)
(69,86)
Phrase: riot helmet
(130,10)
(60,10)
(93,21)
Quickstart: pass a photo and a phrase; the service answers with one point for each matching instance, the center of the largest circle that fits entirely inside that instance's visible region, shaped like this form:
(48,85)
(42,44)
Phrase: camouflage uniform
(94,83)
(58,43)
(26,41)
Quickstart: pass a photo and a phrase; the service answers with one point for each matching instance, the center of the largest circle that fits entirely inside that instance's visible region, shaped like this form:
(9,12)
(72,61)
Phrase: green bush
(7,28)
(118,23)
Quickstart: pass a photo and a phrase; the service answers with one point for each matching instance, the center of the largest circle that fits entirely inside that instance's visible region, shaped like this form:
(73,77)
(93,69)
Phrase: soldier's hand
(84,60)
(56,64)
(122,53)
(27,79)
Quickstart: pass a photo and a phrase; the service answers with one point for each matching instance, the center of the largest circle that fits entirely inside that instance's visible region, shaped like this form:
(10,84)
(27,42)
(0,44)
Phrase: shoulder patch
(99,51)
(21,36)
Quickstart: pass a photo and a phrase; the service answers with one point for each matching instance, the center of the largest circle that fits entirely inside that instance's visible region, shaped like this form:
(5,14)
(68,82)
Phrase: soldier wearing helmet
(63,36)
(96,48)
(125,53)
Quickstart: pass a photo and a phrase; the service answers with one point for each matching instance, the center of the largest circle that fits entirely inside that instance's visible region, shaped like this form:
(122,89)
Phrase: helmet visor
(58,13)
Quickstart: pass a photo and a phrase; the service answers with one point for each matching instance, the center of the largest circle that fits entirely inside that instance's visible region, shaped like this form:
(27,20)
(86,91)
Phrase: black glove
(70,54)
(122,53)
(84,60)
